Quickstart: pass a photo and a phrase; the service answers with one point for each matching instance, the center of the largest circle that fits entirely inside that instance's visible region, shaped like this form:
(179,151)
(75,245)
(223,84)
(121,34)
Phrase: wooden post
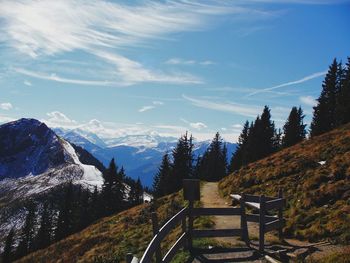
(183,226)
(191,193)
(190,224)
(280,215)
(262,224)
(129,257)
(244,226)
(155,232)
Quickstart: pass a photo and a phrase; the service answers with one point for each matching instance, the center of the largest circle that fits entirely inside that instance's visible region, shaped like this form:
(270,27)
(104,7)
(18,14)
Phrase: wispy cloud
(6,106)
(155,104)
(104,28)
(27,83)
(240,109)
(146,108)
(180,61)
(290,83)
(195,125)
(308,100)
(54,77)
(132,72)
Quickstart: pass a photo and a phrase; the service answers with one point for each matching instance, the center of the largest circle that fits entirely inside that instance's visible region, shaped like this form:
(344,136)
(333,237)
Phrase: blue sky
(164,67)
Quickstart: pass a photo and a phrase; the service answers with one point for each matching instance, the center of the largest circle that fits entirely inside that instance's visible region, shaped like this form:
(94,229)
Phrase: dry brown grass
(109,239)
(318,195)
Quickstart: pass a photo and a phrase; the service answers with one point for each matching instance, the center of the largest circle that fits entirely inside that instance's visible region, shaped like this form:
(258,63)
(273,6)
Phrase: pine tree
(343,98)
(7,255)
(95,208)
(113,189)
(43,238)
(214,162)
(294,128)
(65,218)
(182,166)
(139,191)
(324,118)
(26,242)
(237,159)
(261,139)
(84,218)
(161,185)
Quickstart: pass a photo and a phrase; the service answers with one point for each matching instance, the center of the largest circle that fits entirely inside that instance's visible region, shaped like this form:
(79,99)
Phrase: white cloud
(207,62)
(103,28)
(308,100)
(146,108)
(56,78)
(131,72)
(6,106)
(195,125)
(27,83)
(157,102)
(302,80)
(181,61)
(240,109)
(58,119)
(198,125)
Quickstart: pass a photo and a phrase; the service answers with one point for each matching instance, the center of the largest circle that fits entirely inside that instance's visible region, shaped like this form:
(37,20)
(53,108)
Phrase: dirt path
(210,198)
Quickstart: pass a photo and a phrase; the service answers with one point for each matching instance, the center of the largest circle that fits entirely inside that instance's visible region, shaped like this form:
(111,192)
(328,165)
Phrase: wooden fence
(186,216)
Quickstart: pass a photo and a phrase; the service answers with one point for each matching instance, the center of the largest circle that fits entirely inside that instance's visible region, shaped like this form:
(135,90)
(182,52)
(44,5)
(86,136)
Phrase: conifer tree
(27,233)
(261,140)
(7,255)
(182,166)
(113,189)
(43,237)
(324,118)
(237,159)
(161,185)
(294,128)
(83,210)
(139,191)
(65,218)
(214,163)
(343,98)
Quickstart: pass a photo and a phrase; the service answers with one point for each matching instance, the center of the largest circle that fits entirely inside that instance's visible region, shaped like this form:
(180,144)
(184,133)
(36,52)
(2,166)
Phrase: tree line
(258,138)
(69,209)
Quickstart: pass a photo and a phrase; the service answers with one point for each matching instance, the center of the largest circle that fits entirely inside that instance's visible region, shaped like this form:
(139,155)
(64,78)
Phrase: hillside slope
(315,176)
(111,238)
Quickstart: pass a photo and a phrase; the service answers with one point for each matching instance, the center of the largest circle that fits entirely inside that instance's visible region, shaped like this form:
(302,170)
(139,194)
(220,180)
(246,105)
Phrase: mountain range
(140,155)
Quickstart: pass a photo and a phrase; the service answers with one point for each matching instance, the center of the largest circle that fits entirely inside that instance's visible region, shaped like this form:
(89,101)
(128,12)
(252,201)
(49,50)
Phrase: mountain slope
(315,176)
(111,238)
(34,161)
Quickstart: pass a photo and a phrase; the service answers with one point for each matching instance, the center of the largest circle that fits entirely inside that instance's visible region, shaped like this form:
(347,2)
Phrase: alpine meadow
(174,131)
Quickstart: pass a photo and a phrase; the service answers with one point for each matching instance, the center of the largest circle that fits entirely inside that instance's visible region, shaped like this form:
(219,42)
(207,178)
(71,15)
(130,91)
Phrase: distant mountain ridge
(34,161)
(140,154)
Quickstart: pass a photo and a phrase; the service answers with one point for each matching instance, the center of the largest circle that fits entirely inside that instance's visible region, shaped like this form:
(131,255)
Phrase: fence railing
(187,214)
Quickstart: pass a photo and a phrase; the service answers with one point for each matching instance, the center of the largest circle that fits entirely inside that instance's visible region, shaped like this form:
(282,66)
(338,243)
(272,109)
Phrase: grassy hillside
(111,238)
(318,194)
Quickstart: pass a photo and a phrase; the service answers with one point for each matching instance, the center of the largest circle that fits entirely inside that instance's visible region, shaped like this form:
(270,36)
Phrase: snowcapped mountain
(34,159)
(34,162)
(140,154)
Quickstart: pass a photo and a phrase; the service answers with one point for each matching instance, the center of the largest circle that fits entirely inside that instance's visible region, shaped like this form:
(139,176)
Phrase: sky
(120,68)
